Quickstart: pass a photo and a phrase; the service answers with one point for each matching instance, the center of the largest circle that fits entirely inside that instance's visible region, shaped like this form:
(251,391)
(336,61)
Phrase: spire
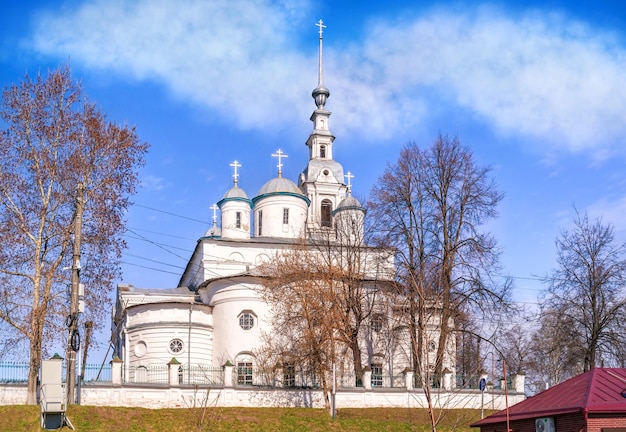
(321,93)
(280,155)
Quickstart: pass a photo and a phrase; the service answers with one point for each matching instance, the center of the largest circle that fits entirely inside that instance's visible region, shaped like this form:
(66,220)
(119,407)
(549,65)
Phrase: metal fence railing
(13,372)
(244,375)
(152,374)
(97,373)
(388,381)
(200,374)
(17,372)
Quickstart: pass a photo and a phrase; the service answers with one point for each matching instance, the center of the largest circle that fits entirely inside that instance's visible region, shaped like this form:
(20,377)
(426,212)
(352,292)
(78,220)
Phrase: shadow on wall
(297,398)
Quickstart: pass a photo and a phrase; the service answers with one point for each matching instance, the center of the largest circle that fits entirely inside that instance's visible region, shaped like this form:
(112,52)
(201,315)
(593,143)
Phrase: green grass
(96,419)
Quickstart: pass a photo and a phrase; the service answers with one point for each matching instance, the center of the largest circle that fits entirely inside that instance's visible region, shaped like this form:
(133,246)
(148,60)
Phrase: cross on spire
(280,155)
(321,25)
(349,176)
(214,207)
(235,165)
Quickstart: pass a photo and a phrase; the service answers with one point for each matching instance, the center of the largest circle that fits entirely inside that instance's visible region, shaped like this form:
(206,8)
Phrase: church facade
(216,315)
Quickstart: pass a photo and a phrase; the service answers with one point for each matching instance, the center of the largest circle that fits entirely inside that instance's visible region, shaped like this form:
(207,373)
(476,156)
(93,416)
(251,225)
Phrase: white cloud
(233,56)
(611,211)
(539,77)
(152,182)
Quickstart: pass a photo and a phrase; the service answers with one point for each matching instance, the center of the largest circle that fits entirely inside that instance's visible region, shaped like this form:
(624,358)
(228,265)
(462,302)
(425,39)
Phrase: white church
(216,315)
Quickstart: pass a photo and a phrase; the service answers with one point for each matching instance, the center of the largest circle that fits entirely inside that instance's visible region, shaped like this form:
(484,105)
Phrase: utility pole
(81,378)
(73,339)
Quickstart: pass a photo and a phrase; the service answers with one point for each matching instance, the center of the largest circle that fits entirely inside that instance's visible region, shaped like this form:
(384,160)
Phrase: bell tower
(322,179)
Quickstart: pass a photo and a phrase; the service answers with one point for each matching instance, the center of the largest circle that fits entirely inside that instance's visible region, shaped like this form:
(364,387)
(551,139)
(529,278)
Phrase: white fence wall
(152,396)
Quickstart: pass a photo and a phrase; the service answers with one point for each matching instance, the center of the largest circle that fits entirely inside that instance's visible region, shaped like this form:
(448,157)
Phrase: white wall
(229,302)
(153,326)
(179,397)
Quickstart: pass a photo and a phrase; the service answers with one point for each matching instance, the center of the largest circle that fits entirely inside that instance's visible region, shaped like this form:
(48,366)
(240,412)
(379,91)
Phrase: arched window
(326,213)
(377,374)
(245,369)
(323,152)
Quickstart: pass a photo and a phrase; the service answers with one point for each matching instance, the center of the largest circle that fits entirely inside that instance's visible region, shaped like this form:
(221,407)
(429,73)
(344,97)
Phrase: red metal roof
(600,390)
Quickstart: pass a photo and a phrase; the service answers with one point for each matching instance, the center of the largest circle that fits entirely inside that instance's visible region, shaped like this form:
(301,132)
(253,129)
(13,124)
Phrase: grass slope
(96,419)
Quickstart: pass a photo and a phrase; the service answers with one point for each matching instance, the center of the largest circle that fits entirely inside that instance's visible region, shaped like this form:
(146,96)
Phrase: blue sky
(538,92)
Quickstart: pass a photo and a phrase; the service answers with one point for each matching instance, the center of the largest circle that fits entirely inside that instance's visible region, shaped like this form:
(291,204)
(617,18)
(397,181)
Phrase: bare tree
(585,292)
(553,356)
(304,304)
(323,293)
(430,206)
(469,353)
(55,139)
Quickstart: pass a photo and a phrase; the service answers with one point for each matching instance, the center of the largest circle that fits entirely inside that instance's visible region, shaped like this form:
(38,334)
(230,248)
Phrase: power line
(159,245)
(173,214)
(163,234)
(150,268)
(155,243)
(154,261)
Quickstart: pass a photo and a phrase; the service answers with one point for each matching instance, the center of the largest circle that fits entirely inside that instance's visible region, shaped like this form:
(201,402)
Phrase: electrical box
(545,424)
(52,394)
(81,298)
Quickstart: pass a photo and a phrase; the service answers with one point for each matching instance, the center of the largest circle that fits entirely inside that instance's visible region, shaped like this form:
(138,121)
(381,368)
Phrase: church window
(285,216)
(432,347)
(289,375)
(246,320)
(140,349)
(376,324)
(244,373)
(238,220)
(176,346)
(259,222)
(377,374)
(326,213)
(323,152)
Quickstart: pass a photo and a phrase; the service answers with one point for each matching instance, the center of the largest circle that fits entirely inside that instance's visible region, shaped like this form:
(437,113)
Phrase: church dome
(279,184)
(214,232)
(235,192)
(349,203)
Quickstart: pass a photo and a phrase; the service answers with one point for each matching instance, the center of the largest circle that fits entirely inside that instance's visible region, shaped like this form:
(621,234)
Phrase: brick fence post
(116,371)
(408,378)
(228,374)
(172,368)
(367,378)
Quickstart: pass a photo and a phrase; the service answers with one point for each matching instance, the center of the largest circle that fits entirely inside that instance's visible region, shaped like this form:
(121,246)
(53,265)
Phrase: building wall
(272,209)
(602,423)
(230,300)
(150,329)
(564,423)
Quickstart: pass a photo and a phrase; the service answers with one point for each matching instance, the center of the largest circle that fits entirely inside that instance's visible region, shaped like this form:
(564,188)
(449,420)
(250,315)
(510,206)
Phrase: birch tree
(54,139)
